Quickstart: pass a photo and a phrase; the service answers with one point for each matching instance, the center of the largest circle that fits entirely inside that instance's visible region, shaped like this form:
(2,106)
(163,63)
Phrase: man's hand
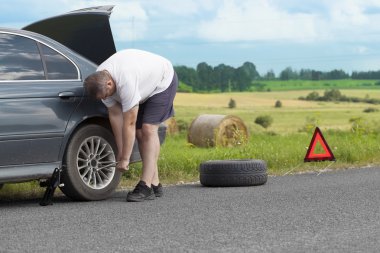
(122,165)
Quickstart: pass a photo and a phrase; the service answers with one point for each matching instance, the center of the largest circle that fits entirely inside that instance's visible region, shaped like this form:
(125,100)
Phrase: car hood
(86,31)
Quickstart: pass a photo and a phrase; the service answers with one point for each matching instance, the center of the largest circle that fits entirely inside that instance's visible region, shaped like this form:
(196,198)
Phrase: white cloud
(248,20)
(351,20)
(349,13)
(361,50)
(264,20)
(170,7)
(227,20)
(130,20)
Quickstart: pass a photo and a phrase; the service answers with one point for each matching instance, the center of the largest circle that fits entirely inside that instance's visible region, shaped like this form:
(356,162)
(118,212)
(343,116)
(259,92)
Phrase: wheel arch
(97,120)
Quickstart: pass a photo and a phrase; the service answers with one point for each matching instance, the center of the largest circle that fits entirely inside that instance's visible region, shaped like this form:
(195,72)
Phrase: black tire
(233,173)
(88,172)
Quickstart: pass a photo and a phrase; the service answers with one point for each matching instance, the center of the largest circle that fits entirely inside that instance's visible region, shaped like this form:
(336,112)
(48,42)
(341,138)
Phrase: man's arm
(115,114)
(128,136)
(124,129)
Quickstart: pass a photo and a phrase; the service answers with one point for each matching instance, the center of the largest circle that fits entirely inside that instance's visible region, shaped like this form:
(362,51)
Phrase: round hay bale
(172,127)
(210,130)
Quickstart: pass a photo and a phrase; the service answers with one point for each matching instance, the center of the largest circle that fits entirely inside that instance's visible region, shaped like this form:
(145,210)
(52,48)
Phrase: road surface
(330,212)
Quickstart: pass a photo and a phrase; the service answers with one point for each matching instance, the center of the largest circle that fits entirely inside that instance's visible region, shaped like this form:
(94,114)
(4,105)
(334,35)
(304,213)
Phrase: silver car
(46,120)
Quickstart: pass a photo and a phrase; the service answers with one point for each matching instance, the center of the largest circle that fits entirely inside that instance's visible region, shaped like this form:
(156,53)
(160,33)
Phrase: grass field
(292,116)
(278,85)
(282,145)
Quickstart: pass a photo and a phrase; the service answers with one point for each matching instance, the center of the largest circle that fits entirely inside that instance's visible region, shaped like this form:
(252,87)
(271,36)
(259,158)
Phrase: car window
(19,58)
(58,66)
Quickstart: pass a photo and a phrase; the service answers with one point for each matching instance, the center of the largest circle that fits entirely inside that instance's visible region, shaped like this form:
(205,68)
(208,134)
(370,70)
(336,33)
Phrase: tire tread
(233,173)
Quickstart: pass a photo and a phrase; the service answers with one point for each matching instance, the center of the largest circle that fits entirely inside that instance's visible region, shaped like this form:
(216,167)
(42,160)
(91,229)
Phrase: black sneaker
(140,193)
(158,191)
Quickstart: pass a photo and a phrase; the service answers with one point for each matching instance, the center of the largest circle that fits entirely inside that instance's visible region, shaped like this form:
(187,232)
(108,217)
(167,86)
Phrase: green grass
(282,145)
(26,190)
(278,85)
(283,153)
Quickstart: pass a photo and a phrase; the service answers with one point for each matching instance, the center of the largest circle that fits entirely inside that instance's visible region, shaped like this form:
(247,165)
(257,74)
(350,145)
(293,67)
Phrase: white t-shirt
(138,75)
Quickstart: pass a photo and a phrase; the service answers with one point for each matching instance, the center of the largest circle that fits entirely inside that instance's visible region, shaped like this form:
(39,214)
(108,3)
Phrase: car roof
(33,35)
(47,41)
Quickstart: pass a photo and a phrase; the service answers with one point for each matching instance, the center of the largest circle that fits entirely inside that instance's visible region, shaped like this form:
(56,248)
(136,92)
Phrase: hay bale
(210,130)
(172,127)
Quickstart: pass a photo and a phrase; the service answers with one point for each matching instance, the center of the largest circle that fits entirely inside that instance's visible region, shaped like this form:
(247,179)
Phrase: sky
(273,34)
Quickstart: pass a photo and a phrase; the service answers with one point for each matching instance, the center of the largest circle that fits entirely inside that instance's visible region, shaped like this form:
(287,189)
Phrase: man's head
(99,85)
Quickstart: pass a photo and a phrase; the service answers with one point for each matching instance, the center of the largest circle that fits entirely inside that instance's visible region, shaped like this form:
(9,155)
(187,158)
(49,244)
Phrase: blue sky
(273,34)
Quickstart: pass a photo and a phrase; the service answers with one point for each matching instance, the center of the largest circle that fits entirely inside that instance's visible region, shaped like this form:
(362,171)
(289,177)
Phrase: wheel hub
(95,161)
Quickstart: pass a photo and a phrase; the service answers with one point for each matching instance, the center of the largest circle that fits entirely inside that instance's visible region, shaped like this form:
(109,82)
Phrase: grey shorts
(159,107)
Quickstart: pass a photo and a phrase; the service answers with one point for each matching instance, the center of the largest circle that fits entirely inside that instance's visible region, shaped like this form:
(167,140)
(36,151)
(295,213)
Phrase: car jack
(51,184)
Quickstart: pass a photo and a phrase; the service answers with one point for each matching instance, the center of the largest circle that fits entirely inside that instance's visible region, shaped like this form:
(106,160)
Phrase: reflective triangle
(320,140)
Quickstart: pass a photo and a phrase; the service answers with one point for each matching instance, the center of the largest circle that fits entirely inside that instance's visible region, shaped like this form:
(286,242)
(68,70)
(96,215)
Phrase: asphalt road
(330,212)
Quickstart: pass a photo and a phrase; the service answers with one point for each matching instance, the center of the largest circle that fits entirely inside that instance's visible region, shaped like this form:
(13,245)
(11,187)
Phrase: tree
(187,75)
(316,75)
(223,76)
(335,75)
(269,75)
(288,74)
(244,75)
(306,74)
(241,79)
(366,75)
(251,71)
(204,72)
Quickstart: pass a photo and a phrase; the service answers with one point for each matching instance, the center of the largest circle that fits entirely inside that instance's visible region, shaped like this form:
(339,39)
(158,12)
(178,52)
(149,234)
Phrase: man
(138,88)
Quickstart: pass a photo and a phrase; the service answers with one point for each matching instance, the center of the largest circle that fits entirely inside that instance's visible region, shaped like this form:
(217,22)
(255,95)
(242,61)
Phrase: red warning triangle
(318,139)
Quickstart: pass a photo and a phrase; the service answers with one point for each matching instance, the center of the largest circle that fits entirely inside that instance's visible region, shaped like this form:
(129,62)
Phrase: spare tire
(233,173)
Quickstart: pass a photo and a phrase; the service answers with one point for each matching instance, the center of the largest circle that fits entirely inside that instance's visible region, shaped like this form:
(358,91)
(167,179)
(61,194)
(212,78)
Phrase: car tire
(233,173)
(88,172)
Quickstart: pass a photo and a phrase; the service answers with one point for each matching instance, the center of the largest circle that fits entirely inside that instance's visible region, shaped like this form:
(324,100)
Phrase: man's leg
(149,146)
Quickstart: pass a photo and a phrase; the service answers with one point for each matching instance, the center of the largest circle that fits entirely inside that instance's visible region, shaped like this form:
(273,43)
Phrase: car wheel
(233,173)
(89,165)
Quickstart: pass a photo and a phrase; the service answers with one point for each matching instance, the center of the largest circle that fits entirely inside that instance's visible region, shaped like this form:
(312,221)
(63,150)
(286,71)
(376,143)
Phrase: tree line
(336,95)
(225,78)
(310,74)
(222,78)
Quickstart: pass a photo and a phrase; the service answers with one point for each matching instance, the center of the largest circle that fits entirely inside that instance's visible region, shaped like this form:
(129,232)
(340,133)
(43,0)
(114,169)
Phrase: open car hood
(86,31)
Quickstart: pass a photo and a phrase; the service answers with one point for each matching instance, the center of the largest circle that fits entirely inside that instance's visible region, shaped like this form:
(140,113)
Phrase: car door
(39,90)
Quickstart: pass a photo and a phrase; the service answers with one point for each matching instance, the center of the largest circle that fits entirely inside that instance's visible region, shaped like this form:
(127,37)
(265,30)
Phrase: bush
(332,95)
(370,109)
(264,121)
(278,104)
(359,125)
(182,125)
(310,124)
(232,104)
(182,87)
(258,86)
(313,96)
